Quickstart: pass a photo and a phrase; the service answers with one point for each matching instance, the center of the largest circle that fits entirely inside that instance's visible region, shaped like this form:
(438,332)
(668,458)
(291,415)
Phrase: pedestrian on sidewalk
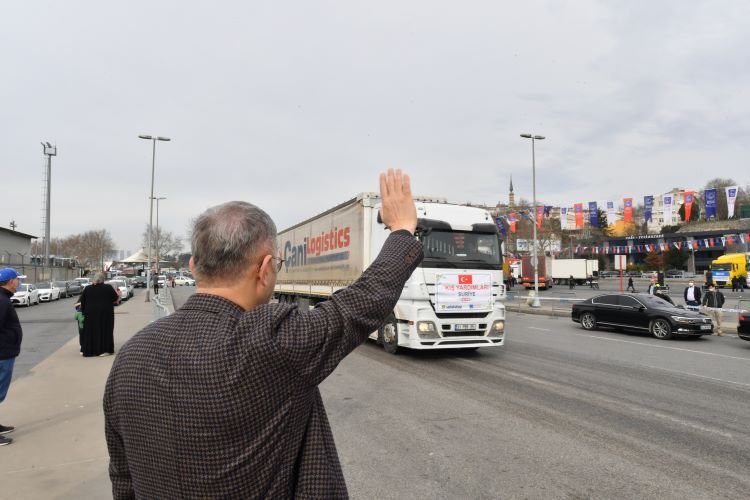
(239,376)
(713,302)
(155,283)
(571,282)
(98,308)
(11,335)
(630,288)
(692,296)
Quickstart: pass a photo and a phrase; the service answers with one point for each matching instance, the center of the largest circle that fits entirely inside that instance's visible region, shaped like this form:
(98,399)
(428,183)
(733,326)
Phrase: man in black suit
(220,399)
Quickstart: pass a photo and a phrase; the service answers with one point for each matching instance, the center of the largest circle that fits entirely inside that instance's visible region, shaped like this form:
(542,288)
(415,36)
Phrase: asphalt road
(557,413)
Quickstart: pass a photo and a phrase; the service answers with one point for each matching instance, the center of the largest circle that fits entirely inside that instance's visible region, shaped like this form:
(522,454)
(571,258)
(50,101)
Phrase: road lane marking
(664,347)
(540,329)
(696,375)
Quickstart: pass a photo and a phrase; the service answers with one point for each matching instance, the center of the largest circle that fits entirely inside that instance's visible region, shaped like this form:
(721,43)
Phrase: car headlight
(682,319)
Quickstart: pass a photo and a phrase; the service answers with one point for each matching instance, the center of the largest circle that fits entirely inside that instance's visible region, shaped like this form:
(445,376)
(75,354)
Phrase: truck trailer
(453,300)
(580,269)
(527,272)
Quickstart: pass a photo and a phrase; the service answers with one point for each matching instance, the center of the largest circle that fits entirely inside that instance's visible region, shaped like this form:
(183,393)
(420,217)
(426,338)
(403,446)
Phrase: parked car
(26,295)
(74,288)
(64,289)
(123,289)
(743,326)
(609,274)
(640,312)
(674,273)
(84,282)
(161,281)
(633,274)
(117,289)
(184,280)
(648,274)
(48,291)
(129,283)
(139,282)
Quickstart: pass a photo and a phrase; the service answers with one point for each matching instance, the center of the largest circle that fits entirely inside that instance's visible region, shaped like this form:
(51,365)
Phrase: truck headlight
(426,329)
(498,327)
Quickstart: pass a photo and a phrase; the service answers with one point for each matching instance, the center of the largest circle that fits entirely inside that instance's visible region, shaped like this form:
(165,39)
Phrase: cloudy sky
(297,105)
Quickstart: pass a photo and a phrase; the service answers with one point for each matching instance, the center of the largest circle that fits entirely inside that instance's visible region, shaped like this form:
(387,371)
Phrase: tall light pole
(151,208)
(49,151)
(158,236)
(533,138)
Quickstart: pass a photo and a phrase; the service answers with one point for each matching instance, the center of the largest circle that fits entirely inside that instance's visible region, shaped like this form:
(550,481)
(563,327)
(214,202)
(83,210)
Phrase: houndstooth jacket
(216,402)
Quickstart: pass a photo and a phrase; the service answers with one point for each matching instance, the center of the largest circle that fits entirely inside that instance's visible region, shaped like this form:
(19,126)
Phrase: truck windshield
(722,267)
(461,249)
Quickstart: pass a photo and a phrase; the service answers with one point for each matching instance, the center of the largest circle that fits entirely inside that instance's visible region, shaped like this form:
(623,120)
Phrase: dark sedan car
(139,282)
(642,312)
(74,288)
(743,328)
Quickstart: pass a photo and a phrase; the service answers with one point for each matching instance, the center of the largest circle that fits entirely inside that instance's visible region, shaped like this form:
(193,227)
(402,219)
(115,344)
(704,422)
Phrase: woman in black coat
(98,308)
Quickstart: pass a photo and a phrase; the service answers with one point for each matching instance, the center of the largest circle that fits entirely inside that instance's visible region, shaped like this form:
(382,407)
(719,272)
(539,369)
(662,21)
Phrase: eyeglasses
(280,263)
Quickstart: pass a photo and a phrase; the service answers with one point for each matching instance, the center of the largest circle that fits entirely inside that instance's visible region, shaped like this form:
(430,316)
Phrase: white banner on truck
(463,292)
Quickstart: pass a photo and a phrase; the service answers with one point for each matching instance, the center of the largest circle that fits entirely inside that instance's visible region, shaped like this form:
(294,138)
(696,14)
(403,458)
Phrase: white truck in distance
(453,300)
(580,269)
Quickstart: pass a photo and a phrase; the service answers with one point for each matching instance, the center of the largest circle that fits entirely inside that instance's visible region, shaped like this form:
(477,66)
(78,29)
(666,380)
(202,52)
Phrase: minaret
(511,196)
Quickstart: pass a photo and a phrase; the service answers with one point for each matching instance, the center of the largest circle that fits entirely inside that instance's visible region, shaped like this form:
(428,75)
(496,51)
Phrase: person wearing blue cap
(10,339)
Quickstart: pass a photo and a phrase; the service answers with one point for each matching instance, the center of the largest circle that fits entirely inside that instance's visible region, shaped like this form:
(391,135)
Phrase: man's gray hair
(225,239)
(99,278)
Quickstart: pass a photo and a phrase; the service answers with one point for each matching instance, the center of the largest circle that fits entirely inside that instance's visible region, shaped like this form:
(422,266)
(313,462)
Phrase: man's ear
(265,271)
(191,266)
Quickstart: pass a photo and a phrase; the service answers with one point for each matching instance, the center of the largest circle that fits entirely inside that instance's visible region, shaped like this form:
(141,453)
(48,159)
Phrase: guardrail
(514,301)
(161,304)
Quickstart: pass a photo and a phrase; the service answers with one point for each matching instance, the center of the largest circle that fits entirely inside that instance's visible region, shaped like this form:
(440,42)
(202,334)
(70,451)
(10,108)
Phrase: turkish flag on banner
(627,215)
(689,197)
(464,279)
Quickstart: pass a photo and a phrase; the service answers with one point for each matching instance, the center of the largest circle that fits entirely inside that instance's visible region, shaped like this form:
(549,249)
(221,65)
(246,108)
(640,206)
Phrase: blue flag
(648,208)
(593,214)
(710,195)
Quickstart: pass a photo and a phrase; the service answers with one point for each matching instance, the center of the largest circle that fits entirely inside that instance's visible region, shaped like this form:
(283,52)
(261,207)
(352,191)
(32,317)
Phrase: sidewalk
(59,450)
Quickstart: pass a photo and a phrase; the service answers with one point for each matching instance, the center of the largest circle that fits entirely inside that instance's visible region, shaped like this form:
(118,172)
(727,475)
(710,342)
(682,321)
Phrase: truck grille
(462,315)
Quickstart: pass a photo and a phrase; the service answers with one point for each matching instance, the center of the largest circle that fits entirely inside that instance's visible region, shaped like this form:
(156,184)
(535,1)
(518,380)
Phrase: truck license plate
(705,327)
(466,327)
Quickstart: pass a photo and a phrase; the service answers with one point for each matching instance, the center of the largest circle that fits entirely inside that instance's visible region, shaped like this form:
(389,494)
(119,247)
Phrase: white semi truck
(453,300)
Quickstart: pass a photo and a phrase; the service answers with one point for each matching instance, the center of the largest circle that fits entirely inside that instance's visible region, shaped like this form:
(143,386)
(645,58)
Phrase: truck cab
(729,266)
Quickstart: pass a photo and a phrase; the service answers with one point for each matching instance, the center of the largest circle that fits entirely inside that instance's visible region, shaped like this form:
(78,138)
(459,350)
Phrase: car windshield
(458,249)
(654,301)
(43,285)
(22,288)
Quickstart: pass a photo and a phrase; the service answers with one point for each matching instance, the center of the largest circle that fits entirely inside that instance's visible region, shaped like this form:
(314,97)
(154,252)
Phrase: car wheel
(588,321)
(661,329)
(388,335)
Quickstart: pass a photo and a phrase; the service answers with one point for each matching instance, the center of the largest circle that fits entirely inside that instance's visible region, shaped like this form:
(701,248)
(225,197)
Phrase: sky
(296,106)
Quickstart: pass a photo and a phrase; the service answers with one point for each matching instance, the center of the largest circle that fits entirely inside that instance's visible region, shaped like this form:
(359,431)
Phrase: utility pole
(49,151)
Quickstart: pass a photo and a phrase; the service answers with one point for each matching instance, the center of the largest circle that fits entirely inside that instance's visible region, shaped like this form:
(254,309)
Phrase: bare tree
(164,243)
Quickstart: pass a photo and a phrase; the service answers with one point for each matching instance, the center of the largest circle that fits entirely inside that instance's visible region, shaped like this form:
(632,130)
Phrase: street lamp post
(535,302)
(151,207)
(158,235)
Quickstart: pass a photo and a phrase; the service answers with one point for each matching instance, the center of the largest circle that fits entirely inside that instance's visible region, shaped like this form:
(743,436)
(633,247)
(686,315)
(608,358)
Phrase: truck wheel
(388,335)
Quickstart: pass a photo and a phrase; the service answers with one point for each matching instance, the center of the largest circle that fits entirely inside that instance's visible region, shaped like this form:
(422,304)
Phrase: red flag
(578,209)
(512,222)
(628,209)
(539,215)
(464,279)
(688,197)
